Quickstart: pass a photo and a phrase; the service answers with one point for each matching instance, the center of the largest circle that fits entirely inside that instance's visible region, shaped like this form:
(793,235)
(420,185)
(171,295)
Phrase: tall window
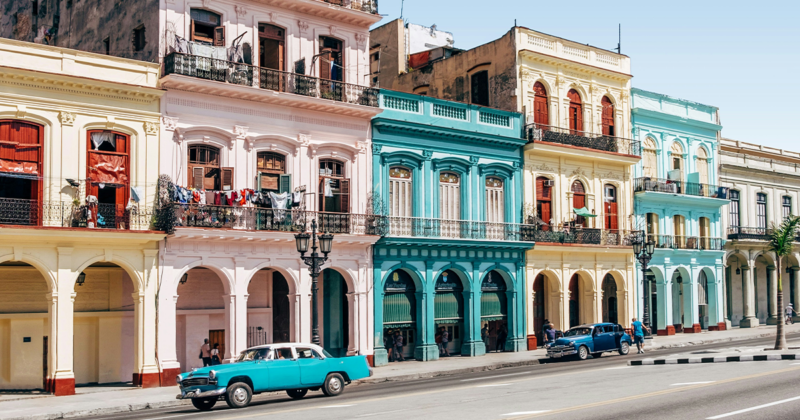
(676,171)
(205,171)
(733,208)
(479,83)
(331,60)
(20,171)
(107,175)
(702,164)
(271,47)
(207,27)
(575,110)
(578,201)
(608,116)
(544,198)
(705,232)
(652,224)
(400,192)
(334,187)
(610,204)
(540,111)
(272,173)
(650,158)
(761,210)
(495,207)
(787,206)
(449,196)
(679,230)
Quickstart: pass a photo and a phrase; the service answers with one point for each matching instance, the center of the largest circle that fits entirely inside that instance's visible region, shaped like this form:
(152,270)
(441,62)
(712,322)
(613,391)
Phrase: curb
(428,375)
(102,411)
(716,359)
(712,341)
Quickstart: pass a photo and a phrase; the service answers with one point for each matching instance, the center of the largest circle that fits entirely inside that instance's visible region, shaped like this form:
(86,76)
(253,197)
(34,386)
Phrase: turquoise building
(449,177)
(677,202)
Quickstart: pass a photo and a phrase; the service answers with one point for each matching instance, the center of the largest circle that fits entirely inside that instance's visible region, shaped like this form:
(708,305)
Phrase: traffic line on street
(716,359)
(491,385)
(522,413)
(496,376)
(733,413)
(692,383)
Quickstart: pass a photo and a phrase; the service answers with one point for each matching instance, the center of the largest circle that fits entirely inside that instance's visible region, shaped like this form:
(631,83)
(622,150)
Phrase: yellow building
(79,155)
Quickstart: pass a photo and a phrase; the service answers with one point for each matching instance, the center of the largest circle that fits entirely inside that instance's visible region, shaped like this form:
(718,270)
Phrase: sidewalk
(101,400)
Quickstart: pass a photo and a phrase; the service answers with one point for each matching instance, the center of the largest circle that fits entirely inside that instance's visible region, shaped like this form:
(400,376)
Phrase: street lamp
(314,262)
(644,253)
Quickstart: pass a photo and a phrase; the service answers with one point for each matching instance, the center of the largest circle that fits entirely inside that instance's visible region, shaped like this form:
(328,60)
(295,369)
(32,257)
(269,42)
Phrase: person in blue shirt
(638,334)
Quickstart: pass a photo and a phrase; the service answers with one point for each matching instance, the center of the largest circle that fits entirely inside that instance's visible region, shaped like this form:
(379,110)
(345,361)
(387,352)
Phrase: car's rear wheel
(624,348)
(583,353)
(203,404)
(334,385)
(297,393)
(239,395)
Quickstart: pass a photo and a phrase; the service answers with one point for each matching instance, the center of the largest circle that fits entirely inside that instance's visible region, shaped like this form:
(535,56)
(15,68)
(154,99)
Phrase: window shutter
(227,179)
(219,36)
(321,194)
(198,173)
(191,31)
(285,184)
(324,64)
(345,188)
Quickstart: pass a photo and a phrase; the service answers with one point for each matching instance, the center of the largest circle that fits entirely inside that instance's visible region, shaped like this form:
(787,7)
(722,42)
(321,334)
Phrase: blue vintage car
(594,339)
(294,368)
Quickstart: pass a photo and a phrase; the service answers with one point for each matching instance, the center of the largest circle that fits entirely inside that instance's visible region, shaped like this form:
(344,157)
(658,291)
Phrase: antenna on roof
(619,42)
(402,5)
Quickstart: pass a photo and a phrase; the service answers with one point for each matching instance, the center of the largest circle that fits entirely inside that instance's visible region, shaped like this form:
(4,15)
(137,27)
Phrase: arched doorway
(494,310)
(449,308)
(539,307)
(201,314)
(702,299)
(575,112)
(574,301)
(610,305)
(268,316)
(399,313)
(541,114)
(281,315)
(335,315)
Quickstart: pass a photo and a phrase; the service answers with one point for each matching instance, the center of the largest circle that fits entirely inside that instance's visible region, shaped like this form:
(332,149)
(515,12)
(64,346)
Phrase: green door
(334,313)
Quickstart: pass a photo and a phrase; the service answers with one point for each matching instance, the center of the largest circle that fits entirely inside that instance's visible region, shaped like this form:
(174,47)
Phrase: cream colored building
(79,154)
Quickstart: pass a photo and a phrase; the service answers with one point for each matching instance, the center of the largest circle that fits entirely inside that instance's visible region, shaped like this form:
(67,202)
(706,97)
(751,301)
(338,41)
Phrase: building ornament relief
(151,128)
(67,118)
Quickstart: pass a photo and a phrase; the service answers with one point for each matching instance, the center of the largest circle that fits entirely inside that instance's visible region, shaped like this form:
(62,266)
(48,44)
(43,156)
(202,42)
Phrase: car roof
(284,345)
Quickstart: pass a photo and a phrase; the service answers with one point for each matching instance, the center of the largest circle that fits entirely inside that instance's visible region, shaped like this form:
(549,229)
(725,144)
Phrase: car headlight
(179,379)
(571,344)
(212,375)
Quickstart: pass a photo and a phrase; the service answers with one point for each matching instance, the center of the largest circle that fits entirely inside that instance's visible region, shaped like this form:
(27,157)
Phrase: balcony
(19,212)
(687,242)
(417,227)
(244,75)
(575,138)
(547,235)
(268,220)
(739,233)
(679,187)
(368,6)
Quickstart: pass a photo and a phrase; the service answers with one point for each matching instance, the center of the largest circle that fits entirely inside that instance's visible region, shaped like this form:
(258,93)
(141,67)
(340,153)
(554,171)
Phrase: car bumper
(185,395)
(556,353)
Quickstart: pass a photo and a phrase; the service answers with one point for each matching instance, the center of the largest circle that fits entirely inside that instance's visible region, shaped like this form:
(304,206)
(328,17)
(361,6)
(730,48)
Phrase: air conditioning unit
(549,183)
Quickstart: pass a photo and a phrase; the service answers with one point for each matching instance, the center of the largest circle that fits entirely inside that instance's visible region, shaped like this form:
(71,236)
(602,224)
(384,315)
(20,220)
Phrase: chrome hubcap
(240,395)
(583,352)
(624,347)
(336,385)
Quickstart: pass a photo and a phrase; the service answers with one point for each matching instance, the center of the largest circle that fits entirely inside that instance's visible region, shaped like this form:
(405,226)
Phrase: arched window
(272,173)
(578,201)
(334,187)
(676,171)
(650,158)
(400,192)
(495,201)
(610,204)
(608,117)
(544,199)
(207,27)
(575,110)
(541,113)
(449,196)
(702,164)
(20,171)
(205,171)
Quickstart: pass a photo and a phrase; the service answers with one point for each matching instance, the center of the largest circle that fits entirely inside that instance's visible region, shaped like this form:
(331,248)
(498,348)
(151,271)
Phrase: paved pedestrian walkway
(113,399)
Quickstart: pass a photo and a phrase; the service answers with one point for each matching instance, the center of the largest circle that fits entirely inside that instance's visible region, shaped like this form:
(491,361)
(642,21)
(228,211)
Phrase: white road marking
(496,376)
(522,413)
(794,364)
(491,385)
(692,383)
(733,413)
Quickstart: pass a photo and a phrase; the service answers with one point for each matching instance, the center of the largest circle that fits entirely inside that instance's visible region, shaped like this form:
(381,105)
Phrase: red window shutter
(219,36)
(540,111)
(543,192)
(227,179)
(546,212)
(612,222)
(578,200)
(575,110)
(608,117)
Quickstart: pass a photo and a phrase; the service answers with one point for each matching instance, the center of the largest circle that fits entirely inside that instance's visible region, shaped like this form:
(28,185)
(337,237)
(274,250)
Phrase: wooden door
(541,113)
(608,117)
(538,307)
(612,221)
(574,301)
(578,200)
(217,337)
(113,197)
(575,111)
(544,200)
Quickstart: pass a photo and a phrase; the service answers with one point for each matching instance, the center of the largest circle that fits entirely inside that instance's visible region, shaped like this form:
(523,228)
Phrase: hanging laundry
(328,189)
(278,205)
(137,194)
(296,198)
(211,197)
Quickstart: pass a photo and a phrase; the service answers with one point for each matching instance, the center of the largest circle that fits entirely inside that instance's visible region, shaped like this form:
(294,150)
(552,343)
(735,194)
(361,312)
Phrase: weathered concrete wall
(84,24)
(391,40)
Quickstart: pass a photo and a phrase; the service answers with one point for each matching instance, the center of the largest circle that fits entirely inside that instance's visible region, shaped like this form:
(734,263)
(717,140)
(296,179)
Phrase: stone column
(772,295)
(353,312)
(230,328)
(749,319)
(240,342)
(664,324)
(795,291)
(62,379)
(380,356)
(296,332)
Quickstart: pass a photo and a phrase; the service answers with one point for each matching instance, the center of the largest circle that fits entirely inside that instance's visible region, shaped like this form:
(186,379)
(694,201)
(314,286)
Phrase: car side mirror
(294,359)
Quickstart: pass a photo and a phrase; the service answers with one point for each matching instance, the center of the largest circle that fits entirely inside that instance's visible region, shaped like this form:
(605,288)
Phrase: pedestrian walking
(438,339)
(638,334)
(398,346)
(789,311)
(502,335)
(549,332)
(388,344)
(215,359)
(205,353)
(445,340)
(485,336)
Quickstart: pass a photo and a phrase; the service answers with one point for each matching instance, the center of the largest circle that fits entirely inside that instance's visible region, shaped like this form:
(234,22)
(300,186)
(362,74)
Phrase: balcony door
(272,175)
(544,200)
(578,201)
(705,232)
(449,196)
(610,204)
(679,230)
(271,56)
(761,211)
(331,59)
(20,172)
(608,117)
(495,208)
(107,176)
(204,168)
(575,111)
(541,115)
(206,27)
(334,187)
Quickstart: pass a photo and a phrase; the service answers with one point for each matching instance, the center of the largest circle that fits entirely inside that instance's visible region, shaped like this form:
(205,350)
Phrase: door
(44,362)
(544,199)
(610,204)
(217,337)
(575,112)
(313,369)
(541,114)
(578,201)
(538,307)
(335,316)
(272,50)
(603,338)
(280,309)
(574,302)
(608,117)
(107,174)
(284,371)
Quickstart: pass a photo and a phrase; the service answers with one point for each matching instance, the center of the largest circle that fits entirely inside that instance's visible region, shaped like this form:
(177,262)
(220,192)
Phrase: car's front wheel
(203,404)
(297,393)
(583,353)
(334,385)
(239,395)
(624,348)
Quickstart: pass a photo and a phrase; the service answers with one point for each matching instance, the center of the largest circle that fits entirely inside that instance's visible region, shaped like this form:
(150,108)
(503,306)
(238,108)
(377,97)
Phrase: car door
(618,333)
(284,371)
(259,369)
(313,368)
(603,338)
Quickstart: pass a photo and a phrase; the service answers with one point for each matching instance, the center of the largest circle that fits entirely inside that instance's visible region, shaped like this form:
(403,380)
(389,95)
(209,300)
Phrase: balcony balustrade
(20,212)
(550,134)
(679,187)
(264,78)
(740,233)
(368,6)
(687,242)
(579,235)
(418,227)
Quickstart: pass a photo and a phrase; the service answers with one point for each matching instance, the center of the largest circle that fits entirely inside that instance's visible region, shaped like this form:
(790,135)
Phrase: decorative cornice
(72,85)
(439,133)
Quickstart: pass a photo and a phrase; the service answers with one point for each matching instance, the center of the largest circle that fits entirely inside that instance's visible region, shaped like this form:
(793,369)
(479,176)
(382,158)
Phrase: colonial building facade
(79,141)
(764,184)
(448,176)
(677,204)
(267,118)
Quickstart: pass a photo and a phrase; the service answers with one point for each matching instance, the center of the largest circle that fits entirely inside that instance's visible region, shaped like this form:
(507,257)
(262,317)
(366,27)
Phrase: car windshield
(253,354)
(578,331)
(325,353)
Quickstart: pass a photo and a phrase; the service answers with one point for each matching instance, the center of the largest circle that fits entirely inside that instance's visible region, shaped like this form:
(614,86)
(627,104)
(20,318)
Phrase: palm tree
(783,237)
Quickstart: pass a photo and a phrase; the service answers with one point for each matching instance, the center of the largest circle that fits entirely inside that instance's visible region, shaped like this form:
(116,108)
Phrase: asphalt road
(604,388)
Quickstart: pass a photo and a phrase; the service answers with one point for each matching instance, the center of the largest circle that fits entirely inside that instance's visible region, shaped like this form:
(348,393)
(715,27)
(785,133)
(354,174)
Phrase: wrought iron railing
(578,235)
(368,6)
(687,242)
(679,187)
(267,219)
(740,233)
(550,134)
(19,212)
(419,227)
(265,78)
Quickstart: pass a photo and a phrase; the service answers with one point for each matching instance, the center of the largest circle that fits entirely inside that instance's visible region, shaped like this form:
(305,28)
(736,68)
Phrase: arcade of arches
(750,285)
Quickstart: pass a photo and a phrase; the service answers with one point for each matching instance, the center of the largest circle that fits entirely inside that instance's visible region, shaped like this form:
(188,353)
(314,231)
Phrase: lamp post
(644,253)
(314,262)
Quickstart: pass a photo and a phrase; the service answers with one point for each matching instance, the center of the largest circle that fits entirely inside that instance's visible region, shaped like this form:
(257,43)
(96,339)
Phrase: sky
(740,56)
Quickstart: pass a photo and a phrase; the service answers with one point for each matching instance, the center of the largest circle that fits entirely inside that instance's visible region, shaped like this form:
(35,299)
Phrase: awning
(398,325)
(448,305)
(493,318)
(447,321)
(398,308)
(19,168)
(584,212)
(493,304)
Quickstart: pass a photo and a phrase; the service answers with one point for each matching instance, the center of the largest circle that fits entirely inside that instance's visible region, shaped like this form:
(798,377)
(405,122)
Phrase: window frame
(761,210)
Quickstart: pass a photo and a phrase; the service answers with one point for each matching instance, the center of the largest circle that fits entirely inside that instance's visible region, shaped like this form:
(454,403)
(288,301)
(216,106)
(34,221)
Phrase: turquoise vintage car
(294,368)
(594,339)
